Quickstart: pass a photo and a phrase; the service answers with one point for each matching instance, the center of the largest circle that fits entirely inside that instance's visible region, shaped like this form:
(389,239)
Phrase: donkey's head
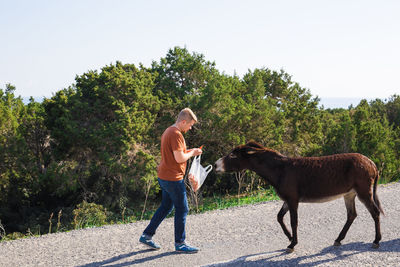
(238,158)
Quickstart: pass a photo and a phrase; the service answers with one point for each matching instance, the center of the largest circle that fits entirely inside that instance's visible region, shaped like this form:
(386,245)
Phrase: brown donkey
(311,179)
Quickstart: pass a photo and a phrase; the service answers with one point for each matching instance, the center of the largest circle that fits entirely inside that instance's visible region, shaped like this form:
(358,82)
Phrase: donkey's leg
(374,210)
(280,216)
(349,200)
(293,222)
(375,215)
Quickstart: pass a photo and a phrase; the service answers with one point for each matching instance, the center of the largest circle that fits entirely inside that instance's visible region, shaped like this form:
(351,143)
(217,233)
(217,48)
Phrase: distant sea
(326,102)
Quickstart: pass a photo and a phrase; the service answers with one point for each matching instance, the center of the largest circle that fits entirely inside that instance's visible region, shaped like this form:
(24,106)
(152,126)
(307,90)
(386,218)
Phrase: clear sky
(335,48)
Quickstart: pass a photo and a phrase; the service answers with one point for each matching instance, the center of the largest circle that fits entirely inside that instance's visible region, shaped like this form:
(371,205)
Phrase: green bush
(88,215)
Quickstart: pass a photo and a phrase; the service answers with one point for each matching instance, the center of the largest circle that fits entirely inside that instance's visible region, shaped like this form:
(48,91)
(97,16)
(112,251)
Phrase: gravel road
(244,236)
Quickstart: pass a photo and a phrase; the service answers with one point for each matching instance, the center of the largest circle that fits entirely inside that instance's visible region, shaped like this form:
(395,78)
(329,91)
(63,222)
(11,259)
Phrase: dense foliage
(98,140)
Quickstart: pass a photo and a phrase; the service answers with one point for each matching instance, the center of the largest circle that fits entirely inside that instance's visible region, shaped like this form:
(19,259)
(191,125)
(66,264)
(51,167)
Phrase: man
(171,171)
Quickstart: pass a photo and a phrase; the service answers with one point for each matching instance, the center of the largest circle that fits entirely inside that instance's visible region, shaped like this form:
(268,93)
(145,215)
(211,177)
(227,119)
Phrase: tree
(16,177)
(340,133)
(393,110)
(375,139)
(180,81)
(36,135)
(298,128)
(96,123)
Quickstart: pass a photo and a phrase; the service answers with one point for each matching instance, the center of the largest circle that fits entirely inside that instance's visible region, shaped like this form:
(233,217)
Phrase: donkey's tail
(375,196)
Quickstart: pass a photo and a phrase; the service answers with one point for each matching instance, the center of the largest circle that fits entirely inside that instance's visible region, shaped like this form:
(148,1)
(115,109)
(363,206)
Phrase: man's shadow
(339,253)
(127,255)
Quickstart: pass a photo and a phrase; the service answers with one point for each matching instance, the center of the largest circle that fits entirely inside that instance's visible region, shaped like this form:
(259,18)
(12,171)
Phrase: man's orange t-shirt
(171,140)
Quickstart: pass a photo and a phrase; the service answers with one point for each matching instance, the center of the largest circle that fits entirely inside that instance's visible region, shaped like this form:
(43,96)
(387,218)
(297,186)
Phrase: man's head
(186,119)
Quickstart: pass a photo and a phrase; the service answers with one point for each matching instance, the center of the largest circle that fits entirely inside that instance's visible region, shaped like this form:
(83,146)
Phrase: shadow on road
(338,253)
(109,262)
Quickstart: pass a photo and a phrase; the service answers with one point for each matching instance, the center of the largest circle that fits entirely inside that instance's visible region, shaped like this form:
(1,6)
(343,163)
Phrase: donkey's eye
(232,156)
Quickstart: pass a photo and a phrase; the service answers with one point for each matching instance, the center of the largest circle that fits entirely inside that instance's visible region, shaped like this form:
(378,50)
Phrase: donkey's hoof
(337,244)
(289,250)
(374,245)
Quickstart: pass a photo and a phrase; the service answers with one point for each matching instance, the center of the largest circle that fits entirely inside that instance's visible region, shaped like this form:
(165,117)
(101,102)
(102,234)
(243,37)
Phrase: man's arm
(182,157)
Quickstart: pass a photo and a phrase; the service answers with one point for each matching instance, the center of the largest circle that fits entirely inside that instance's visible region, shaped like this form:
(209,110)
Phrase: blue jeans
(173,195)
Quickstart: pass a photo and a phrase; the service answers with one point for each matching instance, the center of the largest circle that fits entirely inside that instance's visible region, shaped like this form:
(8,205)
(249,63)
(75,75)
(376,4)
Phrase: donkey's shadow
(339,253)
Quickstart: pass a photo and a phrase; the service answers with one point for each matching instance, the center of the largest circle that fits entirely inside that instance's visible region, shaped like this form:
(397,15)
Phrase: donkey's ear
(254,144)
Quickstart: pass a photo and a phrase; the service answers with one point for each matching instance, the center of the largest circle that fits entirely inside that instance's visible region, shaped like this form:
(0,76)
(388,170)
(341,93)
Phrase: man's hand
(197,151)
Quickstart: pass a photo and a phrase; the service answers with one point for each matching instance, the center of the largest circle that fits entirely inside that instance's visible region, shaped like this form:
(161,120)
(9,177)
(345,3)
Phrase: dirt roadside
(242,236)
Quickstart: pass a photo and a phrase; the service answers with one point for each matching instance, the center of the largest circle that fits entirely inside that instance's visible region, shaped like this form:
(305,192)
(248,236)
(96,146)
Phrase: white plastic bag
(198,173)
